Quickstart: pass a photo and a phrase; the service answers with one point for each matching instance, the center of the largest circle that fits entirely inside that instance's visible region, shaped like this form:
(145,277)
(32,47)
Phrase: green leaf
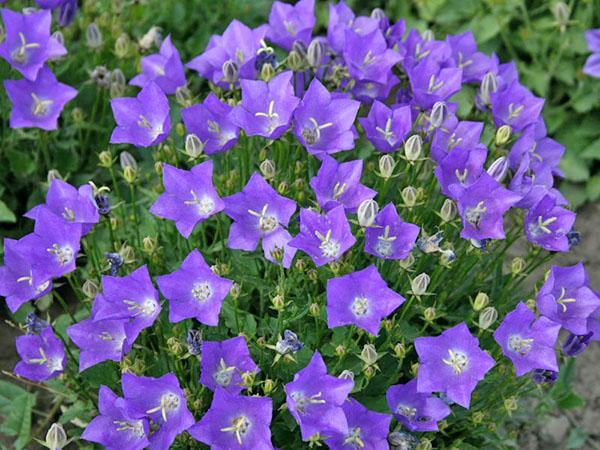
(592,151)
(592,188)
(574,168)
(485,29)
(577,438)
(8,392)
(20,163)
(18,420)
(570,401)
(6,215)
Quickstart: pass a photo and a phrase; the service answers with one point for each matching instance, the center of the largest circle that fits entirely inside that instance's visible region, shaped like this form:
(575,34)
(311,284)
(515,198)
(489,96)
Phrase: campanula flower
(452,363)
(28,44)
(164,68)
(576,344)
(291,23)
(341,19)
(223,364)
(194,291)
(115,262)
(315,399)
(235,421)
(38,103)
(460,169)
(142,121)
(431,84)
(515,106)
(463,134)
(190,197)
(259,212)
(360,298)
(325,238)
(389,237)
(418,47)
(42,356)
(289,343)
(534,185)
(543,152)
(386,128)
(339,184)
(474,64)
(544,376)
(528,342)
(33,324)
(548,225)
(194,341)
(592,65)
(417,411)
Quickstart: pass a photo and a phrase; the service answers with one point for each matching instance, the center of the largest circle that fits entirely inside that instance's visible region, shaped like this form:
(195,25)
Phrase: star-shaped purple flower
(223,364)
(474,64)
(339,184)
(114,428)
(431,83)
(315,399)
(28,43)
(547,225)
(385,127)
(417,411)
(341,19)
(460,168)
(323,121)
(527,342)
(235,421)
(452,363)
(210,121)
(38,103)
(324,238)
(42,356)
(291,23)
(516,106)
(266,108)
(164,68)
(142,121)
(194,291)
(454,134)
(259,212)
(567,299)
(360,298)
(189,198)
(389,237)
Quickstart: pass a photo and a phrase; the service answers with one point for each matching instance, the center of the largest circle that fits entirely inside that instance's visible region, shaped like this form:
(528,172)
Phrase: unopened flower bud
(428,35)
(313,275)
(183,96)
(127,160)
(268,386)
(487,317)
(368,372)
(267,72)
(481,301)
(367,211)
(158,168)
(150,244)
(447,257)
(93,36)
(346,375)
(413,147)
(419,284)
(152,37)
(386,166)
(409,196)
(193,146)
(478,417)
(77,114)
(340,350)
(448,211)
(399,351)
(122,45)
(295,61)
(300,48)
(414,369)
(314,309)
(315,53)
(400,440)
(561,14)
(56,437)
(503,135)
(90,288)
(231,71)
(407,262)
(100,76)
(248,379)
(439,114)
(267,168)
(511,405)
(429,314)
(489,85)
(175,346)
(498,169)
(282,187)
(235,290)
(517,265)
(129,174)
(378,14)
(369,354)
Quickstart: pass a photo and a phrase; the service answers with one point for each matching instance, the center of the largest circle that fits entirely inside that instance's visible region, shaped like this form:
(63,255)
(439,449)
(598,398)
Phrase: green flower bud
(511,405)
(106,159)
(295,61)
(130,174)
(387,164)
(90,289)
(409,196)
(267,72)
(267,168)
(478,417)
(56,437)
(369,355)
(419,284)
(175,346)
(340,350)
(503,134)
(314,309)
(93,36)
(414,369)
(268,386)
(193,146)
(448,211)
(53,174)
(150,244)
(413,147)
(487,317)
(235,290)
(158,168)
(277,303)
(407,262)
(283,187)
(367,211)
(77,114)
(122,45)
(481,301)
(517,265)
(399,351)
(429,314)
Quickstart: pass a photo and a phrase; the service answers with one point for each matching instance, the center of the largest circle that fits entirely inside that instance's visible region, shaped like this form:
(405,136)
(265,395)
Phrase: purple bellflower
(452,363)
(291,23)
(142,121)
(38,103)
(258,211)
(567,299)
(419,47)
(415,410)
(592,65)
(542,150)
(189,198)
(533,185)
(362,299)
(164,68)
(315,399)
(474,64)
(548,225)
(42,356)
(341,19)
(235,421)
(324,238)
(576,344)
(431,84)
(266,108)
(210,121)
(516,106)
(114,428)
(455,134)
(194,291)
(223,364)
(527,342)
(339,184)
(386,128)
(389,237)
(460,168)
(28,43)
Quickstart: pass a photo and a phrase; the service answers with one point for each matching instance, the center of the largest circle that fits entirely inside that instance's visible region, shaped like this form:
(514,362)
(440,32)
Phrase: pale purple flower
(548,225)
(389,237)
(460,169)
(430,83)
(473,63)
(385,127)
(164,68)
(42,356)
(454,134)
(291,23)
(516,106)
(592,65)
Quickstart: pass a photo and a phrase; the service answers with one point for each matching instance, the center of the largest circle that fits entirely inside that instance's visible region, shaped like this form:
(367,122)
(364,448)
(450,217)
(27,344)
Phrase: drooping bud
(489,85)
(498,169)
(448,211)
(481,301)
(387,164)
(56,437)
(419,284)
(231,71)
(93,36)
(193,146)
(503,134)
(413,147)
(315,53)
(90,289)
(267,168)
(367,211)
(487,317)
(409,196)
(122,45)
(183,96)
(439,114)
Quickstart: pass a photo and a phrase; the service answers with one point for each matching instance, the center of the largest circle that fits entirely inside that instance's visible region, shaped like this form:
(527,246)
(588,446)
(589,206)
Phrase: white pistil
(68,214)
(205,205)
(224,374)
(513,112)
(519,345)
(388,134)
(461,176)
(19,55)
(271,115)
(40,107)
(360,306)
(384,244)
(239,427)
(329,247)
(146,308)
(474,215)
(266,223)
(135,427)
(433,86)
(64,255)
(338,190)
(302,401)
(354,439)
(457,360)
(168,402)
(562,301)
(313,135)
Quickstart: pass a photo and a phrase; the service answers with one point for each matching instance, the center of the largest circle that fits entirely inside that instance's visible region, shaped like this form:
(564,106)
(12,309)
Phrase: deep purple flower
(534,185)
(258,211)
(323,122)
(162,401)
(594,324)
(339,184)
(33,324)
(114,428)
(66,12)
(194,291)
(567,299)
(452,363)
(324,238)
(73,205)
(223,364)
(460,168)
(431,84)
(527,342)
(266,108)
(42,356)
(291,23)
(543,152)
(455,134)
(592,65)
(367,429)
(210,121)
(547,225)
(115,262)
(99,341)
(386,128)
(544,376)
(17,282)
(576,344)
(315,400)
(142,121)
(49,4)
(289,343)
(194,341)
(164,68)
(28,43)
(516,106)
(389,237)
(341,19)
(38,103)
(482,206)
(238,45)
(132,297)
(418,47)
(474,64)
(189,198)
(415,410)
(360,298)
(235,421)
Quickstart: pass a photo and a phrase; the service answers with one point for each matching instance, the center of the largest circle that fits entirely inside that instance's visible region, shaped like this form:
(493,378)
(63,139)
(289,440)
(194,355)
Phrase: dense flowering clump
(385,174)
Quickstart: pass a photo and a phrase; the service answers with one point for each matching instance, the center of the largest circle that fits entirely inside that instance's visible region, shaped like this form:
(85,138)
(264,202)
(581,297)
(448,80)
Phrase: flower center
(204,205)
(64,255)
(433,86)
(68,214)
(201,291)
(457,360)
(475,215)
(329,247)
(239,427)
(562,301)
(407,411)
(168,402)
(312,134)
(360,306)
(153,131)
(272,117)
(224,374)
(513,112)
(146,308)
(40,107)
(385,243)
(19,55)
(290,27)
(302,401)
(338,190)
(387,133)
(519,345)
(353,439)
(135,427)
(536,229)
(266,222)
